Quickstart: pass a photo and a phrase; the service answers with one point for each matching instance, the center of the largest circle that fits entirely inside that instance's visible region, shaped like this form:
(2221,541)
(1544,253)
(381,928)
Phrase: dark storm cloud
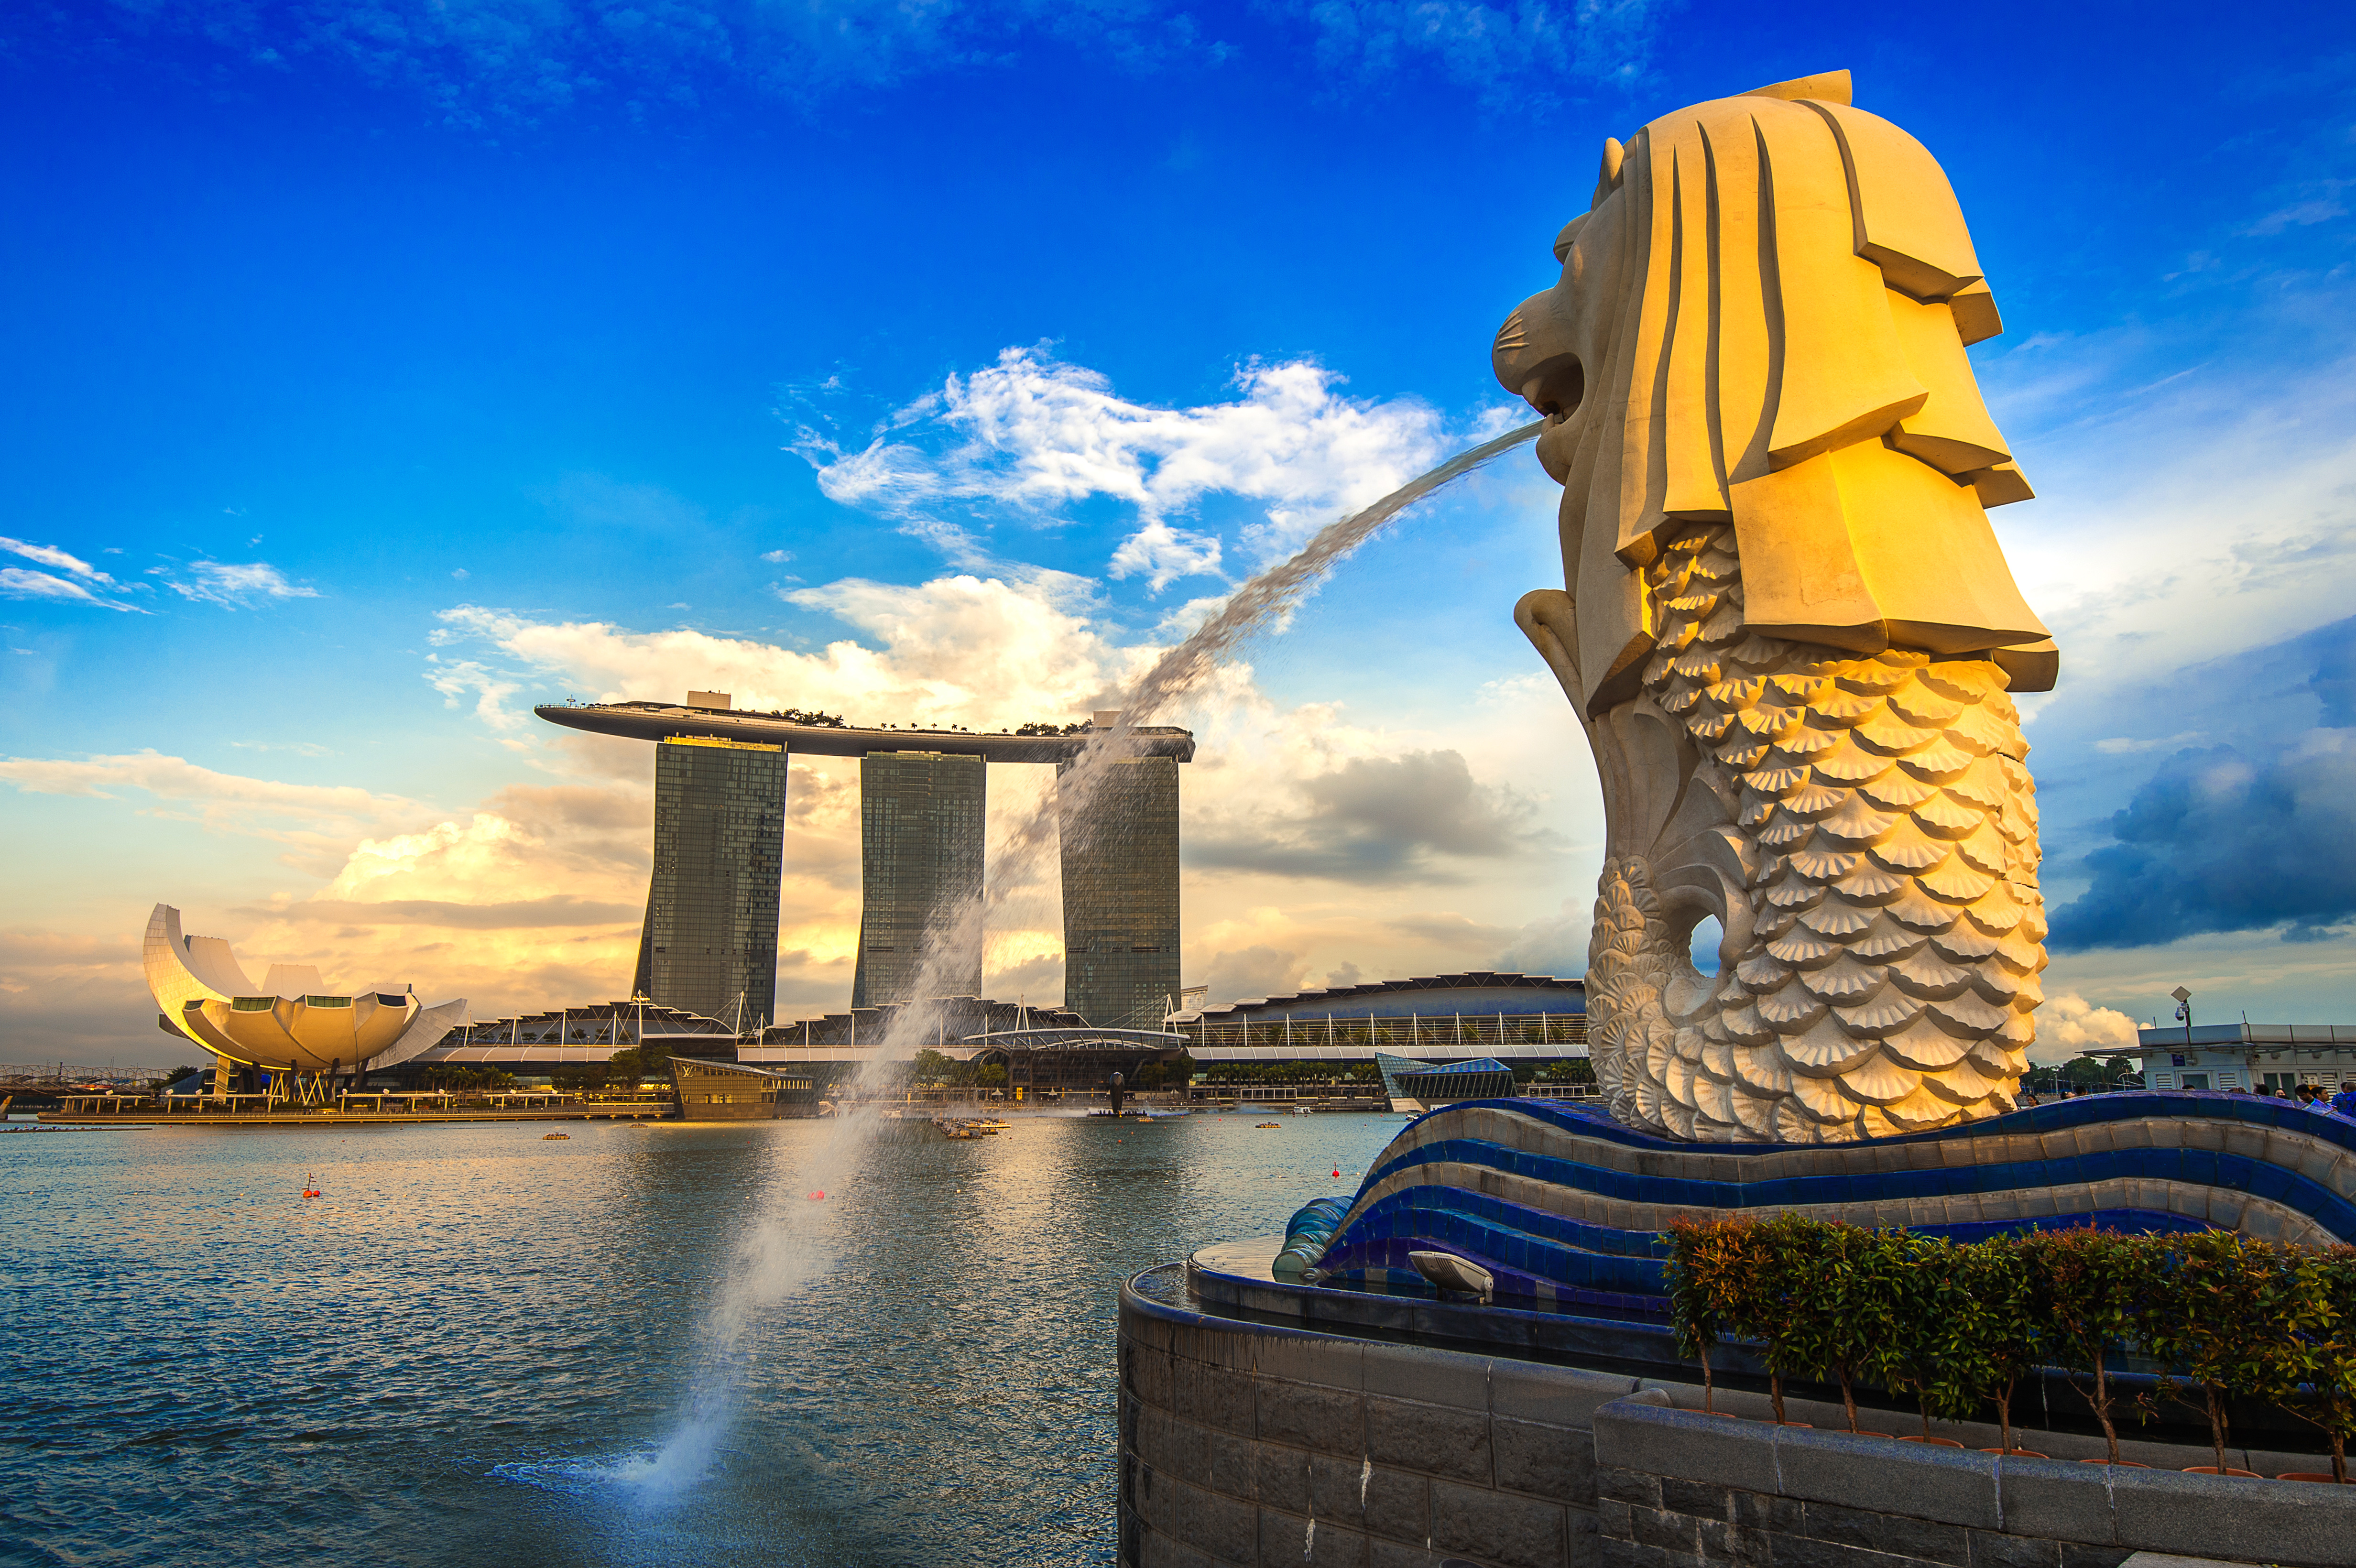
(2255,831)
(2220,840)
(1381,819)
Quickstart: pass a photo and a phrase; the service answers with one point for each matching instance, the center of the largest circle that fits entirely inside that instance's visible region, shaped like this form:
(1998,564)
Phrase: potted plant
(1931,1352)
(2093,1284)
(1784,1309)
(1713,1268)
(1873,1278)
(2316,1382)
(1994,1334)
(2220,1310)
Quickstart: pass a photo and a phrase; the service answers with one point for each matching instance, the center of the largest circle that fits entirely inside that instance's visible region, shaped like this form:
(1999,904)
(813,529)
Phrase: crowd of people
(2312,1096)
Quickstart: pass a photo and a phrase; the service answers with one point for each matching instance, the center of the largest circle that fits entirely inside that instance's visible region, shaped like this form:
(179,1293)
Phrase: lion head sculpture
(1787,625)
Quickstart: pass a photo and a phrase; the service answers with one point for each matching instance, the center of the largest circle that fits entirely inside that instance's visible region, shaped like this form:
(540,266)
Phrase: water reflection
(474,1347)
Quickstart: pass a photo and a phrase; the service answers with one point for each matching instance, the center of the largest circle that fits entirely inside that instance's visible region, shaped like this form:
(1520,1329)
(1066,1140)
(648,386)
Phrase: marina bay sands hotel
(708,944)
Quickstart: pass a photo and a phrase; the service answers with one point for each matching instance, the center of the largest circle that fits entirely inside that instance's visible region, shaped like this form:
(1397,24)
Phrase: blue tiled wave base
(1566,1206)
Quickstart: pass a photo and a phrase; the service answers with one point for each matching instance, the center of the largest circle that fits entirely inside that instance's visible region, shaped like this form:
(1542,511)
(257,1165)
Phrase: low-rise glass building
(579,1036)
(2254,1058)
(1429,1017)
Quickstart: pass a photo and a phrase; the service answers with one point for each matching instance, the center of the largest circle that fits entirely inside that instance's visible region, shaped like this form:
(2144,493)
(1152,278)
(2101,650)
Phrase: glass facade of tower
(922,816)
(709,942)
(1121,892)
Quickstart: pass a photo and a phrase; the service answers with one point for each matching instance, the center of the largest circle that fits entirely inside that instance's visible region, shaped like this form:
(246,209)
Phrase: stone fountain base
(1261,1424)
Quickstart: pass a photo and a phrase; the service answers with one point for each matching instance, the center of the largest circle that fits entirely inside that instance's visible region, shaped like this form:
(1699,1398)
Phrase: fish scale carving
(1720,376)
(1884,970)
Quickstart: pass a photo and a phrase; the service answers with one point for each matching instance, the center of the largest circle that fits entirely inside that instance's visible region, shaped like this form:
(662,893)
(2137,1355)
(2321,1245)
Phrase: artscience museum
(292,1023)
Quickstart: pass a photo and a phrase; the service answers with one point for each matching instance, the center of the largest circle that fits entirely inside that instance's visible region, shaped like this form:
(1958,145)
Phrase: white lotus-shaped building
(291,1022)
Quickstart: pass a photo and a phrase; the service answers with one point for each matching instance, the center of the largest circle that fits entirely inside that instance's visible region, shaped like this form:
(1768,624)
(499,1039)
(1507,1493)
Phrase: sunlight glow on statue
(1789,631)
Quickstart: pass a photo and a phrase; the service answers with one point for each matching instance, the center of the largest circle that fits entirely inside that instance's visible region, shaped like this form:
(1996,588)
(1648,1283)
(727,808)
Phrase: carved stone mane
(1787,627)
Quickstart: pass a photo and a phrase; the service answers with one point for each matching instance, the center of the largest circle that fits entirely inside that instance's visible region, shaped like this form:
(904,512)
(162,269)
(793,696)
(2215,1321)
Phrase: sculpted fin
(1831,86)
(1607,174)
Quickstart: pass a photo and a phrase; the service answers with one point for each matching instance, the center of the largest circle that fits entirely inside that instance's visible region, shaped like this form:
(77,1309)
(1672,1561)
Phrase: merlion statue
(1789,631)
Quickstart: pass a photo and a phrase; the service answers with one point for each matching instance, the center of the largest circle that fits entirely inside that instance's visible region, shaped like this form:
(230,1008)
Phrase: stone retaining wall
(1680,1489)
(1246,1443)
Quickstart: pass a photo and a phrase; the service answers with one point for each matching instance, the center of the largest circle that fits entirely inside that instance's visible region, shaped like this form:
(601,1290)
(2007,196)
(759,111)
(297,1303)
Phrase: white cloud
(75,587)
(1488,49)
(1163,554)
(2068,1024)
(238,587)
(2127,745)
(1384,816)
(2123,554)
(300,748)
(530,901)
(959,546)
(1294,802)
(313,818)
(2300,214)
(486,62)
(50,555)
(17,583)
(980,652)
(1555,944)
(1034,433)
(1250,973)
(778,557)
(77,996)
(454,678)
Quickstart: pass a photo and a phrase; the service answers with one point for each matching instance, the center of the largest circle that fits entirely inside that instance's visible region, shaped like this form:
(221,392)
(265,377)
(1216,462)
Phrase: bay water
(474,1345)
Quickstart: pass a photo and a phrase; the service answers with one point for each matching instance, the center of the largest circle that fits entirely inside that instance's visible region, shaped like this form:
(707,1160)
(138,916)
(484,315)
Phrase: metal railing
(48,1075)
(1406,1031)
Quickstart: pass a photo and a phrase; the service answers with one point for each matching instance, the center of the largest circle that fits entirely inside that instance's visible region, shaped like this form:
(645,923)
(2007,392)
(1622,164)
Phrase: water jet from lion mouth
(778,1254)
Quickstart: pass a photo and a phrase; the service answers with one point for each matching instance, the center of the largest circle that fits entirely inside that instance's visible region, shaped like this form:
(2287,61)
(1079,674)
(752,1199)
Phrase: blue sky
(384,370)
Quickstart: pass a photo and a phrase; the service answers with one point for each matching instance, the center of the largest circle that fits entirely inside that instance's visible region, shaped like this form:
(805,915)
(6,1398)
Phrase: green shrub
(1711,1265)
(2227,1312)
(2098,1285)
(1957,1327)
(2315,1378)
(1994,1335)
(1922,1355)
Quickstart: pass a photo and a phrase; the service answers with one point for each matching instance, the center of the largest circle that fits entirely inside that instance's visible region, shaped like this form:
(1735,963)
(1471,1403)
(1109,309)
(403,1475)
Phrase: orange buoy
(1337,1175)
(816,1196)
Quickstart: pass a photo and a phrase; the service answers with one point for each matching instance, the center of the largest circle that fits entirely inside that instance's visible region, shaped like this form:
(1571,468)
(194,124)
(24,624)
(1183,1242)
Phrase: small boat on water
(1258,1125)
(555,1137)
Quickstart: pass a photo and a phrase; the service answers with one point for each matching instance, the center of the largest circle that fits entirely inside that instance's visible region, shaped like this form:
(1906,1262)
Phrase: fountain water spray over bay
(784,1248)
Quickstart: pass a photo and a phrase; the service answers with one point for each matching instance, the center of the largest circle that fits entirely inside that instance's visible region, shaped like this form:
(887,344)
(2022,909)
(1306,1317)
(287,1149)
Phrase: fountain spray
(784,1248)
